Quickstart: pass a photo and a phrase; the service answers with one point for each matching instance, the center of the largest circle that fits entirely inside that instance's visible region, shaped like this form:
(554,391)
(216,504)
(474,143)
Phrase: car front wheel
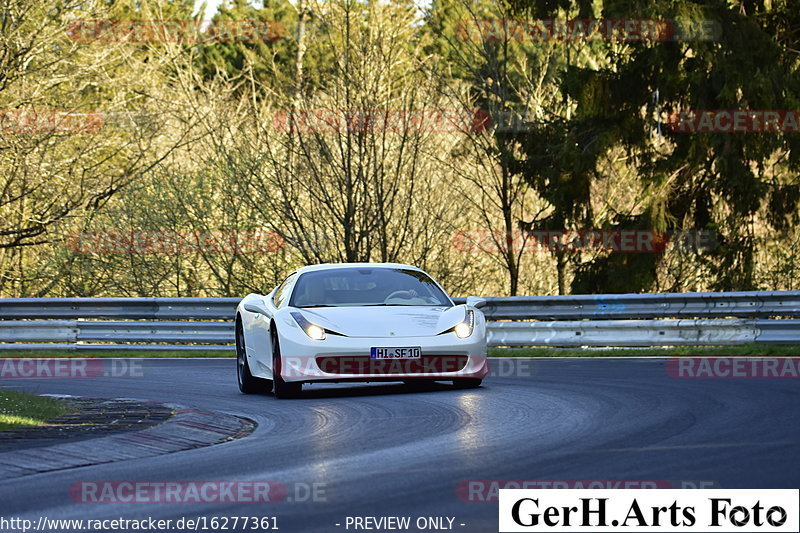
(248,383)
(282,388)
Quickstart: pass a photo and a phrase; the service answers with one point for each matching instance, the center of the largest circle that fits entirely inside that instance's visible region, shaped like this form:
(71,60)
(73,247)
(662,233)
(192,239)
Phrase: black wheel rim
(276,359)
(239,357)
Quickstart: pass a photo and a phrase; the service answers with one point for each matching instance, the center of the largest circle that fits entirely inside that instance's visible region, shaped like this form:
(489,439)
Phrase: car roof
(330,266)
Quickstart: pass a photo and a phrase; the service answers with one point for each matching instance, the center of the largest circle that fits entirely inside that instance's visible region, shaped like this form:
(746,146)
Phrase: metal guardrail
(753,304)
(642,333)
(73,331)
(119,308)
(669,319)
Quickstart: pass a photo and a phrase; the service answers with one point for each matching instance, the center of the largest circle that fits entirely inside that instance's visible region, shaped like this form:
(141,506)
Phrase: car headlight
(464,329)
(312,330)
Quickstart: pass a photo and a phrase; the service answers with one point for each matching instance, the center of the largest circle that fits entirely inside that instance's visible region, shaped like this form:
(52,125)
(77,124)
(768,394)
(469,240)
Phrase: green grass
(18,409)
(119,353)
(750,350)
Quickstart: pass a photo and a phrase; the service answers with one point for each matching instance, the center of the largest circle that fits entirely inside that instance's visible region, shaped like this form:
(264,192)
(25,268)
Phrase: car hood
(390,321)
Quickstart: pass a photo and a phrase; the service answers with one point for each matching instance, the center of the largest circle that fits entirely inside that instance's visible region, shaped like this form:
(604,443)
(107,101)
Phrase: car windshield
(367,286)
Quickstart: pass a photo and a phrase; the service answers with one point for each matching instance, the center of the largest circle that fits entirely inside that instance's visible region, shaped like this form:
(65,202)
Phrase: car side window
(283,291)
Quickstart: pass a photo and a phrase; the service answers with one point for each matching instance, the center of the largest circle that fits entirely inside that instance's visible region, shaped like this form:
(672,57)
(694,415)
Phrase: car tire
(467,383)
(282,389)
(248,383)
(419,384)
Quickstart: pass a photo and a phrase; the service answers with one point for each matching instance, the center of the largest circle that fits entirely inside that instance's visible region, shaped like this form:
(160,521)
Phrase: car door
(261,326)
(257,338)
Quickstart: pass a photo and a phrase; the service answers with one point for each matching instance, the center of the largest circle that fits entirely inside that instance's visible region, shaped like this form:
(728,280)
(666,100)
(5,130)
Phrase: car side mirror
(476,301)
(256,306)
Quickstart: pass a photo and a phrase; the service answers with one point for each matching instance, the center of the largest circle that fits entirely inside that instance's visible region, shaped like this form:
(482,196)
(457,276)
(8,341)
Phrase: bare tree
(346,169)
(81,118)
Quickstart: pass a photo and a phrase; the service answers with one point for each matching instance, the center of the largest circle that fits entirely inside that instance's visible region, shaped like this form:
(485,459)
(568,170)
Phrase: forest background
(507,147)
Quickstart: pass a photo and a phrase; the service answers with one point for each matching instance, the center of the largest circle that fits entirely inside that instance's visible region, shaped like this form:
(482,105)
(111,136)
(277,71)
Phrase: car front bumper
(337,358)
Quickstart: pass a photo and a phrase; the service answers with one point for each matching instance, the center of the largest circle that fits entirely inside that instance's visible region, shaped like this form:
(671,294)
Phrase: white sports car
(357,322)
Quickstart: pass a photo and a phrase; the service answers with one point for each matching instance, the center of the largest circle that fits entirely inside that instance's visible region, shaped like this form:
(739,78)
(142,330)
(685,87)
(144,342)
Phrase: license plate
(395,353)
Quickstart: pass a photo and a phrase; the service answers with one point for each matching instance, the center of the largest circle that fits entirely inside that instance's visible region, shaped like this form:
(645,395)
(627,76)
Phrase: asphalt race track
(387,450)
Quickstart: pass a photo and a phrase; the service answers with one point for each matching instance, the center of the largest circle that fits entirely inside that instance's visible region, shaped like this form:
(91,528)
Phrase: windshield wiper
(389,305)
(312,306)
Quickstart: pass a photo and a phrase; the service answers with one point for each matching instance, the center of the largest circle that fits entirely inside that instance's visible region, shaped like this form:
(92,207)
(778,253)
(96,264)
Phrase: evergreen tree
(699,181)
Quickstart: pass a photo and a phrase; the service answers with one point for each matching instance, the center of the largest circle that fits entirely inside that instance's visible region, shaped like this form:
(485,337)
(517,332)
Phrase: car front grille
(363,364)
